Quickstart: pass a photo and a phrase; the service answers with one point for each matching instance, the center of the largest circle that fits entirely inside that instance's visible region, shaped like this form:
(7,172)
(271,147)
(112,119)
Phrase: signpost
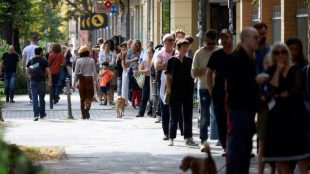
(94,21)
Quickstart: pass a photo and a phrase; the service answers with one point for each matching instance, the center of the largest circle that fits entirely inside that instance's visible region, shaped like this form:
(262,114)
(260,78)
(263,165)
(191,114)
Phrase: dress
(286,136)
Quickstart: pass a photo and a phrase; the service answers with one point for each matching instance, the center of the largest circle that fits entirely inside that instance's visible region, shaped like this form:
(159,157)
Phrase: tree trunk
(16,41)
(7,32)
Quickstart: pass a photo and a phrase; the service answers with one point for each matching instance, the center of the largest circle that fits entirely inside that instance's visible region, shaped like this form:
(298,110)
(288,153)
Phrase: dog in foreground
(199,165)
(120,106)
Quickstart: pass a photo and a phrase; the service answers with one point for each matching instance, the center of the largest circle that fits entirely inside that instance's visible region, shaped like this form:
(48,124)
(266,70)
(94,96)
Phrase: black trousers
(218,99)
(181,106)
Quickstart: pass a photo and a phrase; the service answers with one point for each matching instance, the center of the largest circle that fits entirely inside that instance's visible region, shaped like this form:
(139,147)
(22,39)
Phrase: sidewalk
(103,144)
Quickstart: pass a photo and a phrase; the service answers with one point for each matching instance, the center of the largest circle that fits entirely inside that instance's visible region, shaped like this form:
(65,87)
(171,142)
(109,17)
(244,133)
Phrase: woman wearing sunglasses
(286,136)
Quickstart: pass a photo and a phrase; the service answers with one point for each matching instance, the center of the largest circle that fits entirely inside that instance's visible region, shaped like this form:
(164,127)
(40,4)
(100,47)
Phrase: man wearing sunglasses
(218,64)
(199,69)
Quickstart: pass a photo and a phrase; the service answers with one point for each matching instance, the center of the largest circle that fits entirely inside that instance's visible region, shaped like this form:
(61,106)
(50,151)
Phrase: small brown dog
(199,165)
(120,105)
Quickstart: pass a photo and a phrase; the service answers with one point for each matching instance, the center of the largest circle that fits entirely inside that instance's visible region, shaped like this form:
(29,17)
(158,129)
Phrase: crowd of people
(235,85)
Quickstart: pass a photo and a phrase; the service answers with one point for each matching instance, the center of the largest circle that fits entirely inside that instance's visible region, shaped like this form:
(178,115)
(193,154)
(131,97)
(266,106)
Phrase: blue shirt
(259,59)
(131,55)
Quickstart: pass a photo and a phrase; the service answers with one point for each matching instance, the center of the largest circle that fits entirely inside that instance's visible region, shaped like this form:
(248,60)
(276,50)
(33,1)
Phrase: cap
(83,49)
(225,31)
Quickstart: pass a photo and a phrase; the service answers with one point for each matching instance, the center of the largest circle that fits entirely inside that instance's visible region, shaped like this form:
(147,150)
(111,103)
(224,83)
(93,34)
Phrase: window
(166,16)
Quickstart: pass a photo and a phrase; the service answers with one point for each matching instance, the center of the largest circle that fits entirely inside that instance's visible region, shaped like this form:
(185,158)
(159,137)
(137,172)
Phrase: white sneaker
(224,152)
(170,142)
(158,119)
(190,142)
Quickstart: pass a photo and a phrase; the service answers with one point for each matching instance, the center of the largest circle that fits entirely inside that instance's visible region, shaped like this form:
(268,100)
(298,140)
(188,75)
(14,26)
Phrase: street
(103,144)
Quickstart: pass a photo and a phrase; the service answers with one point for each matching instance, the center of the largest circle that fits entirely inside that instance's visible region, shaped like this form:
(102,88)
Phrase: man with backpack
(37,68)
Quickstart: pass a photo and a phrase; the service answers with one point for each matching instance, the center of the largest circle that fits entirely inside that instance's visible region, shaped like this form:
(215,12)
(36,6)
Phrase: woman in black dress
(286,138)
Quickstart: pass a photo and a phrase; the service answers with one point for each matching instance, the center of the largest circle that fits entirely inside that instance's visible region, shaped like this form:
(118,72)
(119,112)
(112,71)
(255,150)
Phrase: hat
(225,31)
(83,49)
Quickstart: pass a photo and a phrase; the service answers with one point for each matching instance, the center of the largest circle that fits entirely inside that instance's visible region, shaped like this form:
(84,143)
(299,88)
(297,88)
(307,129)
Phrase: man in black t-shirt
(37,68)
(218,64)
(10,62)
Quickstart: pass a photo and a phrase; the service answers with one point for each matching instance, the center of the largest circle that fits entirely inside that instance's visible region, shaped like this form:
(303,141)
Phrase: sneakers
(170,142)
(190,142)
(165,138)
(218,143)
(139,115)
(42,117)
(223,153)
(158,119)
(36,119)
(12,101)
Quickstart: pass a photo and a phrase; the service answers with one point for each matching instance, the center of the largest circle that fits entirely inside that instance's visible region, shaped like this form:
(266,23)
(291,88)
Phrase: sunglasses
(211,43)
(170,40)
(279,52)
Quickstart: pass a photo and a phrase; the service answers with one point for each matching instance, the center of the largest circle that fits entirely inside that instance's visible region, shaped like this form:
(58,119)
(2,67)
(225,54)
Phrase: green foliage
(12,160)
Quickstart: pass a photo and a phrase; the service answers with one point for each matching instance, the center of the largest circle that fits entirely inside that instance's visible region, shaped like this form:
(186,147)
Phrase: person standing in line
(261,57)
(119,67)
(87,68)
(181,89)
(179,34)
(125,78)
(27,54)
(113,82)
(218,64)
(144,54)
(161,58)
(145,68)
(37,68)
(134,88)
(10,62)
(199,70)
(243,97)
(94,55)
(55,60)
(105,76)
(132,58)
(189,52)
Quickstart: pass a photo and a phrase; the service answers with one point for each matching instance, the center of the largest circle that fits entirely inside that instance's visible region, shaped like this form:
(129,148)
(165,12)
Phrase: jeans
(9,79)
(218,100)
(214,132)
(165,115)
(38,89)
(29,89)
(240,132)
(181,106)
(205,103)
(145,97)
(55,87)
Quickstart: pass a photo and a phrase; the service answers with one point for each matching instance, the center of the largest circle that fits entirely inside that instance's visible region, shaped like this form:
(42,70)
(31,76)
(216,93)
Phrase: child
(105,76)
(134,88)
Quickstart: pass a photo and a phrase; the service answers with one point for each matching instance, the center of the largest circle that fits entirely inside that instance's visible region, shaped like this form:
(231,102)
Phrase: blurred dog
(199,165)
(120,106)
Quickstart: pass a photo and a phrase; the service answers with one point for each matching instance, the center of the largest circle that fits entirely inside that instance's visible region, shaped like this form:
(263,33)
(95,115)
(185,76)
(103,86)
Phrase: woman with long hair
(55,60)
(296,48)
(286,118)
(125,78)
(119,67)
(145,68)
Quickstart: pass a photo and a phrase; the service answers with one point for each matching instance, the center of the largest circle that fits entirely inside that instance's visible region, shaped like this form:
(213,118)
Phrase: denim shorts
(105,89)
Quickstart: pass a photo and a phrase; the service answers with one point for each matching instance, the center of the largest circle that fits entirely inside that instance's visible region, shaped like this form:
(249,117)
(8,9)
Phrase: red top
(55,63)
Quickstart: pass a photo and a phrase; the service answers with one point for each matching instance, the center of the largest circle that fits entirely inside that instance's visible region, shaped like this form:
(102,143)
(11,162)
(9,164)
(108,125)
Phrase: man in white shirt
(199,70)
(27,54)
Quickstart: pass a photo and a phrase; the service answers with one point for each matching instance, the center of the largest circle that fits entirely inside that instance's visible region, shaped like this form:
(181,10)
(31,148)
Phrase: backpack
(36,70)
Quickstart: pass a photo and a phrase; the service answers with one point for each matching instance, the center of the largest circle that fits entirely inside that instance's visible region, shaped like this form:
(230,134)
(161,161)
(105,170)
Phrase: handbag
(167,94)
(140,80)
(80,74)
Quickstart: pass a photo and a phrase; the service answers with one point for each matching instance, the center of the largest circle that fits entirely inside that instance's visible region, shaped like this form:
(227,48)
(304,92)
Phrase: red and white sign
(108,4)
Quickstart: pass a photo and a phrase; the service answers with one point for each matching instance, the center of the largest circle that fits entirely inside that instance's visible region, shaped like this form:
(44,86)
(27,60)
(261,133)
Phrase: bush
(12,160)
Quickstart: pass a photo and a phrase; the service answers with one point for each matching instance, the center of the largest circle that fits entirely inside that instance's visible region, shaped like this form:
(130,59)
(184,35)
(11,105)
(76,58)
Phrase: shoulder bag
(167,94)
(80,74)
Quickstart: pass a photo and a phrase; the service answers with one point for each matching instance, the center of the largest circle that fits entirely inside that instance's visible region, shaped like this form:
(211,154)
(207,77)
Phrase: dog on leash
(120,106)
(199,165)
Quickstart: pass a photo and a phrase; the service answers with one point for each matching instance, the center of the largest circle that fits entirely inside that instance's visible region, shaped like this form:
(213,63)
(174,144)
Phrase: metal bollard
(69,99)
(51,97)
